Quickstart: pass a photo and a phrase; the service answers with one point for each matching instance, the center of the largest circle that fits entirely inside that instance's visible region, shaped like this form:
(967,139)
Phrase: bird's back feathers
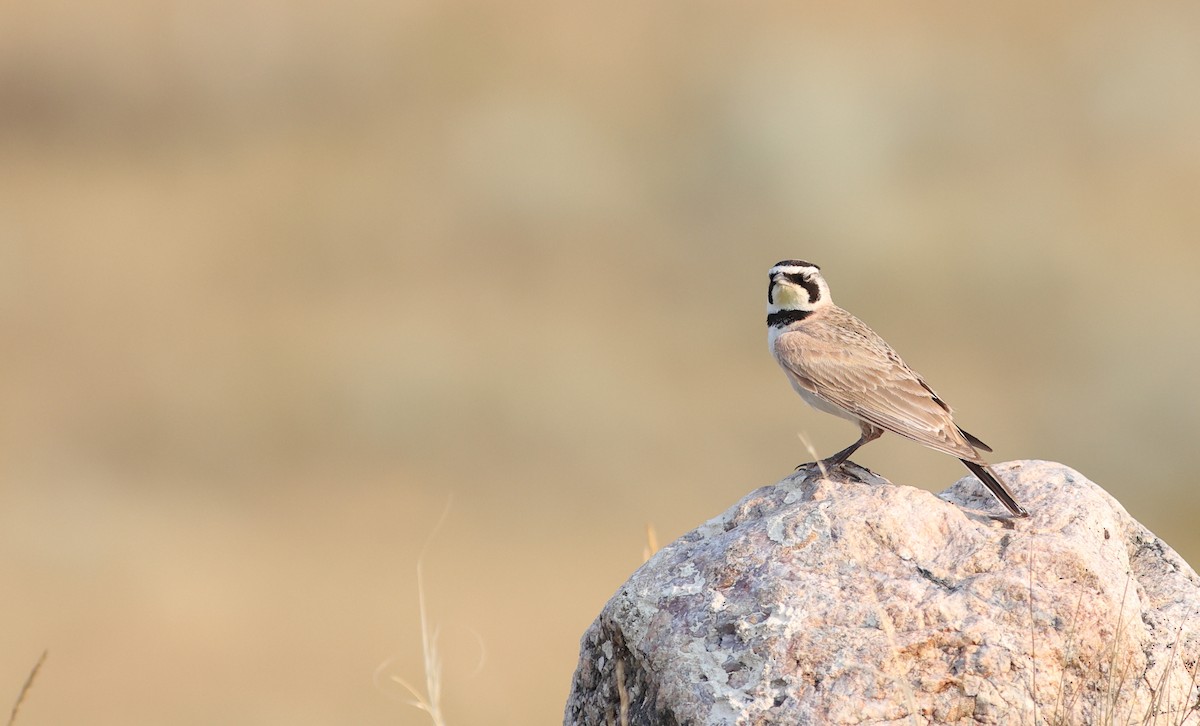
(836,357)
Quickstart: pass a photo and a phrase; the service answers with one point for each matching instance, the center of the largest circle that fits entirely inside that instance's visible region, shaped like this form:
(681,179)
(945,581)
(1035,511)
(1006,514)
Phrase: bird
(840,366)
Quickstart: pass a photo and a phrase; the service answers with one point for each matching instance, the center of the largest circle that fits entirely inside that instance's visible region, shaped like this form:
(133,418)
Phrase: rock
(845,599)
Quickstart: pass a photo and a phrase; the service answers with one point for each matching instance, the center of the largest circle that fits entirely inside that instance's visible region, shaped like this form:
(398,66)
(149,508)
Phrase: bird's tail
(998,489)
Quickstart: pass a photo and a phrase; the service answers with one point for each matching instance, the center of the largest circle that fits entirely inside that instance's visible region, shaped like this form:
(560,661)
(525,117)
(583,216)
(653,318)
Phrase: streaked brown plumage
(841,366)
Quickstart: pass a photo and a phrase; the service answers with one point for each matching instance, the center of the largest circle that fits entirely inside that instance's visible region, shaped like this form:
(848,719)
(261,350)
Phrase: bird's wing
(868,379)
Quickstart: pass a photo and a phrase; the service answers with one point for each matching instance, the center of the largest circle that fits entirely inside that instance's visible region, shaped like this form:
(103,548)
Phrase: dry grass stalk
(431,700)
(12,717)
(651,543)
(812,451)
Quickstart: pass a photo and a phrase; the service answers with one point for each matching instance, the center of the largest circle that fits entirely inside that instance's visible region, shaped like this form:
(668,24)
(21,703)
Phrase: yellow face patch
(787,295)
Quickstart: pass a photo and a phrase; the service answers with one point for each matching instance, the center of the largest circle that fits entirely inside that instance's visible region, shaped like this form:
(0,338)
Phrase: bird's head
(796,285)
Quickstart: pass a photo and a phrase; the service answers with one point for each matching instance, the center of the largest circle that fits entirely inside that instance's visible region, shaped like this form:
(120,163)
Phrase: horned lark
(838,365)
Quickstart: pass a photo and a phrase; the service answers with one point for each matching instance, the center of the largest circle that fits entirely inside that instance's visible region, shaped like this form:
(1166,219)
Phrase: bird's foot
(833,462)
(826,466)
(822,464)
(858,472)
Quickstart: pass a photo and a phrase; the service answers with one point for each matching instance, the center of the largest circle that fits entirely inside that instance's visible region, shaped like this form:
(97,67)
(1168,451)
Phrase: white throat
(797,291)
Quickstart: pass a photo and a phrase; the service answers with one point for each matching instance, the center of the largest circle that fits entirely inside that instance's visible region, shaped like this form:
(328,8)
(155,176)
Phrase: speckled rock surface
(848,600)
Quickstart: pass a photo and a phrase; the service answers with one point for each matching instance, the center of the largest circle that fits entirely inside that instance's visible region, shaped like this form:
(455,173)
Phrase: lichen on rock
(842,598)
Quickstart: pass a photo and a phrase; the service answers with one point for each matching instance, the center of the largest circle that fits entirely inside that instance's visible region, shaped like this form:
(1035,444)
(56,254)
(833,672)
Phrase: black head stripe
(812,288)
(796,263)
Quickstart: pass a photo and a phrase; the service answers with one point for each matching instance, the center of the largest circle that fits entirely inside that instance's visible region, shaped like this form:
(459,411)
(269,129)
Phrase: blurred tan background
(278,280)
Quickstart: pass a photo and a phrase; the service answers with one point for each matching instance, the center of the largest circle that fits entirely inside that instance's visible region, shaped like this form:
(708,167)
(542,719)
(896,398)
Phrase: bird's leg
(869,434)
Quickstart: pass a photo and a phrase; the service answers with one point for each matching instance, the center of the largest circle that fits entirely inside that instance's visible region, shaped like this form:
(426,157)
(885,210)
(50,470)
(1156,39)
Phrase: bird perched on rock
(839,365)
